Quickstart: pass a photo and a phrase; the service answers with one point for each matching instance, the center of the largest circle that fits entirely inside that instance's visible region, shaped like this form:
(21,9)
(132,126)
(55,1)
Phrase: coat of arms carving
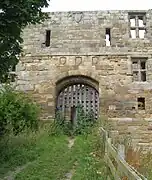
(78,16)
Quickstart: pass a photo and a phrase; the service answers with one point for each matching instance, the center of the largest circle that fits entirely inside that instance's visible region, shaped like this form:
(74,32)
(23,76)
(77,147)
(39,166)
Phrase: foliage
(84,121)
(146,164)
(58,126)
(14,16)
(82,125)
(89,157)
(17,111)
(34,150)
(36,154)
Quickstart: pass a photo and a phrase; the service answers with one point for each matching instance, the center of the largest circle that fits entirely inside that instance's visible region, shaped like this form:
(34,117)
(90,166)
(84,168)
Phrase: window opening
(108,37)
(141,103)
(137,25)
(143,65)
(133,34)
(47,40)
(139,69)
(143,76)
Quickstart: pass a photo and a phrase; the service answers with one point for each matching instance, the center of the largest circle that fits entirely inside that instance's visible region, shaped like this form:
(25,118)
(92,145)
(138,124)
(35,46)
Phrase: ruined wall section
(77,47)
(84,33)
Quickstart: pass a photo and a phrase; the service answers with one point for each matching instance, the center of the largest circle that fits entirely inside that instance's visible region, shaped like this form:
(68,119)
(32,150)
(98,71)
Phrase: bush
(83,124)
(17,111)
(84,121)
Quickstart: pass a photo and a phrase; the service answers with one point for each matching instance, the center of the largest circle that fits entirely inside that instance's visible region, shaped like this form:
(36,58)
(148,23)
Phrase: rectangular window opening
(143,76)
(108,37)
(137,25)
(133,34)
(143,64)
(142,33)
(135,65)
(132,22)
(141,103)
(139,69)
(135,75)
(141,21)
(47,40)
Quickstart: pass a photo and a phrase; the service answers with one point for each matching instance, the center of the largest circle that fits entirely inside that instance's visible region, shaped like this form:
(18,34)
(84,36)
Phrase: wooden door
(78,94)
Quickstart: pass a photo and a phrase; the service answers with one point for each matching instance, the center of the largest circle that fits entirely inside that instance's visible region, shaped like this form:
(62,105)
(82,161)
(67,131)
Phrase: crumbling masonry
(101,59)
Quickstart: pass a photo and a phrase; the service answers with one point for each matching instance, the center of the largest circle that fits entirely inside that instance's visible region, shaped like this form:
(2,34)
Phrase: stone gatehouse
(102,59)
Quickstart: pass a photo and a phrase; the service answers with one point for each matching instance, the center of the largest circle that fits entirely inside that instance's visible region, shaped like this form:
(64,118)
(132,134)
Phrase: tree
(15,15)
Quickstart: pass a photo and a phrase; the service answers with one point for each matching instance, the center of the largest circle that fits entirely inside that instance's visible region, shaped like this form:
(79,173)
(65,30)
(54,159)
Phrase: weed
(82,125)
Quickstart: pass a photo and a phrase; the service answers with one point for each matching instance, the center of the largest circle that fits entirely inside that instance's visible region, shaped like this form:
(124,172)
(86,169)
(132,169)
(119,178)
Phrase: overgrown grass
(51,158)
(52,164)
(90,165)
(18,150)
(142,161)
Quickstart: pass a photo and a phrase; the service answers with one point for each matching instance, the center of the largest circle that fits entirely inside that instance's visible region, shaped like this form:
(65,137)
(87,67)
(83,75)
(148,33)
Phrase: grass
(51,158)
(145,163)
(90,164)
(17,151)
(52,164)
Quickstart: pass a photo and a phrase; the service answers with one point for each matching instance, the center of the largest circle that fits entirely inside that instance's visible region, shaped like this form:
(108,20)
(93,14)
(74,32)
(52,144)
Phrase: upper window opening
(141,22)
(108,37)
(139,69)
(132,22)
(143,64)
(137,25)
(47,40)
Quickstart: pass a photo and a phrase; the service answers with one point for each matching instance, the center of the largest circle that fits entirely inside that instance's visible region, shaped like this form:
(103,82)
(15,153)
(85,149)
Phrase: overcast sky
(83,5)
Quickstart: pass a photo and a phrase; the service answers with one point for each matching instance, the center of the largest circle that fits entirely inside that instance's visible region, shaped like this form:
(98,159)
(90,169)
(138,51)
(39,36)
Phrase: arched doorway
(77,91)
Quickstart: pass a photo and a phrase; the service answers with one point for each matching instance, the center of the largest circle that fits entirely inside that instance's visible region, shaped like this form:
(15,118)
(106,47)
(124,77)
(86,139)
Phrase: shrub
(84,121)
(59,125)
(17,111)
(83,124)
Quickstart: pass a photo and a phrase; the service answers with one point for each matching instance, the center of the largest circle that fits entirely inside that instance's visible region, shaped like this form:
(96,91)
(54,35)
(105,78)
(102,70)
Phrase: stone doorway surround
(74,91)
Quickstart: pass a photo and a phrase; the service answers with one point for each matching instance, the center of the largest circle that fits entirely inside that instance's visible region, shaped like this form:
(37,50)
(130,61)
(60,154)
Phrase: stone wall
(83,33)
(77,47)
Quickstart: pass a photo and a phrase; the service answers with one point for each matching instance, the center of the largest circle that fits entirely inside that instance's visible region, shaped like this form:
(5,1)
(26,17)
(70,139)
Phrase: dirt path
(71,142)
(68,176)
(12,174)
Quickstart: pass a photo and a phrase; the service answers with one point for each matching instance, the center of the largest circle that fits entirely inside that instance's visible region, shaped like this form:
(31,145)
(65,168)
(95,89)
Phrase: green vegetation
(145,163)
(30,149)
(18,150)
(14,16)
(83,124)
(17,111)
(88,151)
(51,157)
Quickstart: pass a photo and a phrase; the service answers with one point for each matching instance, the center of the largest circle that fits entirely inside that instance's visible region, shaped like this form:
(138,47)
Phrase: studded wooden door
(73,95)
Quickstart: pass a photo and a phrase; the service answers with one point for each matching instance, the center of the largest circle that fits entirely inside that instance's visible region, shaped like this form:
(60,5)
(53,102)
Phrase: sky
(86,5)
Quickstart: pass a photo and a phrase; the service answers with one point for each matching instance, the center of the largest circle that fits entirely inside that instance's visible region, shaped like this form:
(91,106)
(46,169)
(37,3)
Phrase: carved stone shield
(78,17)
